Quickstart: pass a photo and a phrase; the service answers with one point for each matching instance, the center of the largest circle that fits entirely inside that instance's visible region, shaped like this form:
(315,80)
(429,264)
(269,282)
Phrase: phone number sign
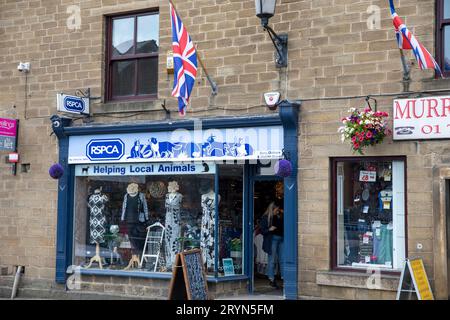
(422,118)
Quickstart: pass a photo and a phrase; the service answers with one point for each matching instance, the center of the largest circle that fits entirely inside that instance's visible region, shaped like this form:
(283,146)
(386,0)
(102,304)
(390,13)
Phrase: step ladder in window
(152,247)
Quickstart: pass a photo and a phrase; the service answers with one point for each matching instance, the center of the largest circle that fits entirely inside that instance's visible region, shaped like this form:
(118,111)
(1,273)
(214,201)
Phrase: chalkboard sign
(191,283)
(414,284)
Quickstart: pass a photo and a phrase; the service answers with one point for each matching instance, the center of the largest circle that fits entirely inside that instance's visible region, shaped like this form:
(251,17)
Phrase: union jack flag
(185,62)
(407,41)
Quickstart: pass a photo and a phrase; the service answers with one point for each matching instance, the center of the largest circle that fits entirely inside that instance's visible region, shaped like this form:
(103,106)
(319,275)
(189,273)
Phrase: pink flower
(369,135)
(361,138)
(356,145)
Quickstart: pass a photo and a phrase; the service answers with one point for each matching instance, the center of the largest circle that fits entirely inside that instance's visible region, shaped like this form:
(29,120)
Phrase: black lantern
(265,9)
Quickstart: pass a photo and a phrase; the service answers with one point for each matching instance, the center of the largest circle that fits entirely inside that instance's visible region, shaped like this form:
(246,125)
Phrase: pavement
(254,297)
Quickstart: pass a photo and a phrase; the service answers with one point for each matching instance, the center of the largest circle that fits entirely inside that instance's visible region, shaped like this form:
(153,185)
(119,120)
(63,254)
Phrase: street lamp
(265,9)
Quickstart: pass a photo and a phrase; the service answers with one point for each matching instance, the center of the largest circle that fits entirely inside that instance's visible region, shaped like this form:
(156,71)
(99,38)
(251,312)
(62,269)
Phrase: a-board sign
(414,284)
(188,277)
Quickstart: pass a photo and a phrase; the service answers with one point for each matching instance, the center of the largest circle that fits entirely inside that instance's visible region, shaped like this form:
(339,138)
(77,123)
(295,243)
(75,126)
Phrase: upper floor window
(132,56)
(443,35)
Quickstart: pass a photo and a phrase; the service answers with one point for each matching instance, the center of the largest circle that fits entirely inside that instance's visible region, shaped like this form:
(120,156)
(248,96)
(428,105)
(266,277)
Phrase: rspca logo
(74,104)
(105,149)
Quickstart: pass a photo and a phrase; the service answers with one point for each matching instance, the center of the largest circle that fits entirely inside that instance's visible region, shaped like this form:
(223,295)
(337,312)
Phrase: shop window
(114,205)
(231,240)
(443,35)
(113,210)
(132,57)
(369,214)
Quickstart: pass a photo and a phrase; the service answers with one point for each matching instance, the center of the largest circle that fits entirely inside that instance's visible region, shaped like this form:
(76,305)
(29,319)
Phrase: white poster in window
(367,176)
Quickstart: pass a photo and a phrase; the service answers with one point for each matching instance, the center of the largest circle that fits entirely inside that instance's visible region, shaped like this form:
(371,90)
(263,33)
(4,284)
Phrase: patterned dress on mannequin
(207,230)
(172,225)
(97,219)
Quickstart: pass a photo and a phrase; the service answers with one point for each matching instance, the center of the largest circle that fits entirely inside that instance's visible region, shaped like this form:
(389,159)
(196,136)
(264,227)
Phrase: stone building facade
(334,55)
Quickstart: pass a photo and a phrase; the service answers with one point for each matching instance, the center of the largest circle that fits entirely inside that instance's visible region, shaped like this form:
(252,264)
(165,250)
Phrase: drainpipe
(16,282)
(289,114)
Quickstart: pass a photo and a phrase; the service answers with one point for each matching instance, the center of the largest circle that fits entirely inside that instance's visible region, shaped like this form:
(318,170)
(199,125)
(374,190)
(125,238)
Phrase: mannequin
(135,213)
(173,228)
(208,224)
(97,221)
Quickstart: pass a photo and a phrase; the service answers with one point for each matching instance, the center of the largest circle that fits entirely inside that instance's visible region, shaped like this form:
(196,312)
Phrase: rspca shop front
(134,195)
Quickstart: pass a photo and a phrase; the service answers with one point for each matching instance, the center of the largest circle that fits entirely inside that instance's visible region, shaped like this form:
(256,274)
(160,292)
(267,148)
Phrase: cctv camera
(24,67)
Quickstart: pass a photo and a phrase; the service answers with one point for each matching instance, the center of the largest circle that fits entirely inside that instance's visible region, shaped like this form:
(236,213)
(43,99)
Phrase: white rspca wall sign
(72,104)
(422,118)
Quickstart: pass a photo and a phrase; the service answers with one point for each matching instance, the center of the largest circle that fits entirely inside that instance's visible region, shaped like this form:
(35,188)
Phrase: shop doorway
(265,193)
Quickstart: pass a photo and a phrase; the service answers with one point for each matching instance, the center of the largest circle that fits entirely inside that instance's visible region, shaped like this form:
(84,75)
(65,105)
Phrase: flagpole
(406,68)
(210,80)
(406,71)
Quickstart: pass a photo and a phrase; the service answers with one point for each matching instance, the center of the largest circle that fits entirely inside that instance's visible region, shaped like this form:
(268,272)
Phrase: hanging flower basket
(56,171)
(283,168)
(364,128)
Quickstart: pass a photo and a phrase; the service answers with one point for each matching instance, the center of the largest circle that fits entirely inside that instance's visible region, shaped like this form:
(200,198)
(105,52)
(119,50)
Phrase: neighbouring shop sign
(422,118)
(136,169)
(72,104)
(179,145)
(8,134)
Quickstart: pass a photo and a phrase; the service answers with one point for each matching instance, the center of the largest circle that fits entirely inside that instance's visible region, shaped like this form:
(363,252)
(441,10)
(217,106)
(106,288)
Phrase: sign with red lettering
(367,176)
(422,118)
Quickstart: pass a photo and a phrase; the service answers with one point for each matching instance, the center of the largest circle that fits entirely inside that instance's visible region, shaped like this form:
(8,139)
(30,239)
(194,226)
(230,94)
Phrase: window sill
(128,106)
(350,279)
(152,275)
(436,84)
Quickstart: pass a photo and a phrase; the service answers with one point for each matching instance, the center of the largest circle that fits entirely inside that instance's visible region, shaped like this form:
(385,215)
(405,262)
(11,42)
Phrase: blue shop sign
(179,145)
(73,104)
(105,149)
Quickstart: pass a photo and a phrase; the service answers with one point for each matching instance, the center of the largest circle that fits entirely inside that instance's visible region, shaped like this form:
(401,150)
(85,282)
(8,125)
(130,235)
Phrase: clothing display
(262,258)
(173,228)
(113,213)
(367,230)
(135,214)
(97,218)
(383,242)
(141,203)
(207,228)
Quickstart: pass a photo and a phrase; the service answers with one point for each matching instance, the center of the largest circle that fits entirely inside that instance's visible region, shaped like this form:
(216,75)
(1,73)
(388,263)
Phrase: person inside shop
(272,227)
